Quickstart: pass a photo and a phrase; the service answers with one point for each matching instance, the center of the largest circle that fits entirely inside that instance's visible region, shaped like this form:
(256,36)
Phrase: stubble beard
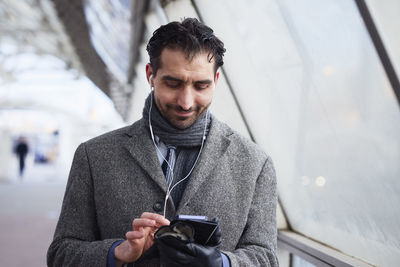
(180,122)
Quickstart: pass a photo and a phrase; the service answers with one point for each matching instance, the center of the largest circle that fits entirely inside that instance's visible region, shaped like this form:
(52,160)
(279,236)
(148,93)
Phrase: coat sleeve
(257,244)
(77,238)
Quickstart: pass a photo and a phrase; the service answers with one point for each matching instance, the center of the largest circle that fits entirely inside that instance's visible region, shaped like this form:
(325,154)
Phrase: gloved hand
(178,249)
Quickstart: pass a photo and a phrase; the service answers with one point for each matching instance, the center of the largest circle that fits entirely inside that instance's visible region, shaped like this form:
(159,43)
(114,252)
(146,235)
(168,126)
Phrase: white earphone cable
(169,188)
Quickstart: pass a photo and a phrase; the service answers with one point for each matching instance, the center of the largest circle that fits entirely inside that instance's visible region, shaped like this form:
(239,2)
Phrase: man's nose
(185,98)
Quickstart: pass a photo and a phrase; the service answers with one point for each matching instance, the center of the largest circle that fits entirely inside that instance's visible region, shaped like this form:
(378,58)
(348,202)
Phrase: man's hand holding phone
(190,242)
(140,239)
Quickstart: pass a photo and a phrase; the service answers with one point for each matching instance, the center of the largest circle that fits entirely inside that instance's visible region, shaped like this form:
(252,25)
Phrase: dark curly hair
(191,36)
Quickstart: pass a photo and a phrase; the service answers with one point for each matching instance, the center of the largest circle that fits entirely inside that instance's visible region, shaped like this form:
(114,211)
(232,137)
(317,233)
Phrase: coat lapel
(142,149)
(214,148)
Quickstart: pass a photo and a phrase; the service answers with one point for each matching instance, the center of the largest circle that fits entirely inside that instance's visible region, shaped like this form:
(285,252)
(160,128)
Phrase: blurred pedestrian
(21,149)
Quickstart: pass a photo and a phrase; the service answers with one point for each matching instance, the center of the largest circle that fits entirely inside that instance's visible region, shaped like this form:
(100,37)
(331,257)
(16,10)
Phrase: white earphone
(169,188)
(151,87)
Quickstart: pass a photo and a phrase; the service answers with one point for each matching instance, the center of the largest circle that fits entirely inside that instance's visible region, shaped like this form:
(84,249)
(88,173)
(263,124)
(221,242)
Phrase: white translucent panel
(177,10)
(110,32)
(141,88)
(284,257)
(299,262)
(316,98)
(386,18)
(225,109)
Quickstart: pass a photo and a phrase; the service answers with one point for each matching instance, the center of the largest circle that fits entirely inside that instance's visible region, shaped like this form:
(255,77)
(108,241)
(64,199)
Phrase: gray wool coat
(116,177)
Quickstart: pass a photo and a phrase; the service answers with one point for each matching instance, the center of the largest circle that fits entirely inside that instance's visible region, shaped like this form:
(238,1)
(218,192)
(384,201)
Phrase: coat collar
(142,149)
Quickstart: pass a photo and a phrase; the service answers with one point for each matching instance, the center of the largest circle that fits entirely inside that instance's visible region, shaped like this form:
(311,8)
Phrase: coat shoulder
(115,136)
(241,144)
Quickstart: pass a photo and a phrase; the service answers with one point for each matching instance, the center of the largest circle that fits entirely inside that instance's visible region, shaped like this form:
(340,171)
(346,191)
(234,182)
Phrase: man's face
(183,89)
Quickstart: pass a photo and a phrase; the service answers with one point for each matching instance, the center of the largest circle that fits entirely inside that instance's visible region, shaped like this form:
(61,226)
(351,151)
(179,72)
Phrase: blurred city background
(47,103)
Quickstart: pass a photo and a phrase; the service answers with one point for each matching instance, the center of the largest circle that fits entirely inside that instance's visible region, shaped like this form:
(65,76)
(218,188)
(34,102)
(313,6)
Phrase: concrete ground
(29,209)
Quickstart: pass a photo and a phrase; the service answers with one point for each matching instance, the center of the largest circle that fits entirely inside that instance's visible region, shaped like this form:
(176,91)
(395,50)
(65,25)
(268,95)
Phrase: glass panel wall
(316,97)
(299,262)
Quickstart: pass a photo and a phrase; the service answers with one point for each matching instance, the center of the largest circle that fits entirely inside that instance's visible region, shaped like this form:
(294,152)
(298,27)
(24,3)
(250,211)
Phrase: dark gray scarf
(189,137)
(186,141)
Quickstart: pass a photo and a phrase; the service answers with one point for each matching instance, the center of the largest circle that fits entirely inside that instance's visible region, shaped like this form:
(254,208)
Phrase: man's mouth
(180,112)
(183,113)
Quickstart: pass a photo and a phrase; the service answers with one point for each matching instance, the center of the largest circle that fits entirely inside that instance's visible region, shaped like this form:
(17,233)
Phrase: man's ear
(149,72)
(216,78)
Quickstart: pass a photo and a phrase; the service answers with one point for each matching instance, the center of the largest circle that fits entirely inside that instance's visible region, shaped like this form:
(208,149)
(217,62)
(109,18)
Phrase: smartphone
(204,229)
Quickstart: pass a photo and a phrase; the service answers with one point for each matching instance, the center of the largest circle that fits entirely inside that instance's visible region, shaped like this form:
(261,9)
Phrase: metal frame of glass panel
(314,252)
(379,46)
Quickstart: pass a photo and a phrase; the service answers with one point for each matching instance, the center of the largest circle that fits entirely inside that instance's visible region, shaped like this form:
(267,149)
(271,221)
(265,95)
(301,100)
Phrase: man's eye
(173,84)
(202,86)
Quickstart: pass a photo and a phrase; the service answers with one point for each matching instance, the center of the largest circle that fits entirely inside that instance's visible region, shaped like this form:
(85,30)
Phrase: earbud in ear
(151,86)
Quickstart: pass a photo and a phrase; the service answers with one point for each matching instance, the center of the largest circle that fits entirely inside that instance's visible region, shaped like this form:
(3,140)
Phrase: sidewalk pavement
(29,210)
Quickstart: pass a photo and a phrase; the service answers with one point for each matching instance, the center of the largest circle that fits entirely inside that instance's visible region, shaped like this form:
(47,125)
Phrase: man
(21,149)
(178,152)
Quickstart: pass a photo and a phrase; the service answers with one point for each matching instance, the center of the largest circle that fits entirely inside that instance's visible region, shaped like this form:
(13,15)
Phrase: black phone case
(203,230)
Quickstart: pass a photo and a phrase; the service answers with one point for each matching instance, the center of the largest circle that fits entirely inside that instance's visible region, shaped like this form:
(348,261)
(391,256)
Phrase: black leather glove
(177,247)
